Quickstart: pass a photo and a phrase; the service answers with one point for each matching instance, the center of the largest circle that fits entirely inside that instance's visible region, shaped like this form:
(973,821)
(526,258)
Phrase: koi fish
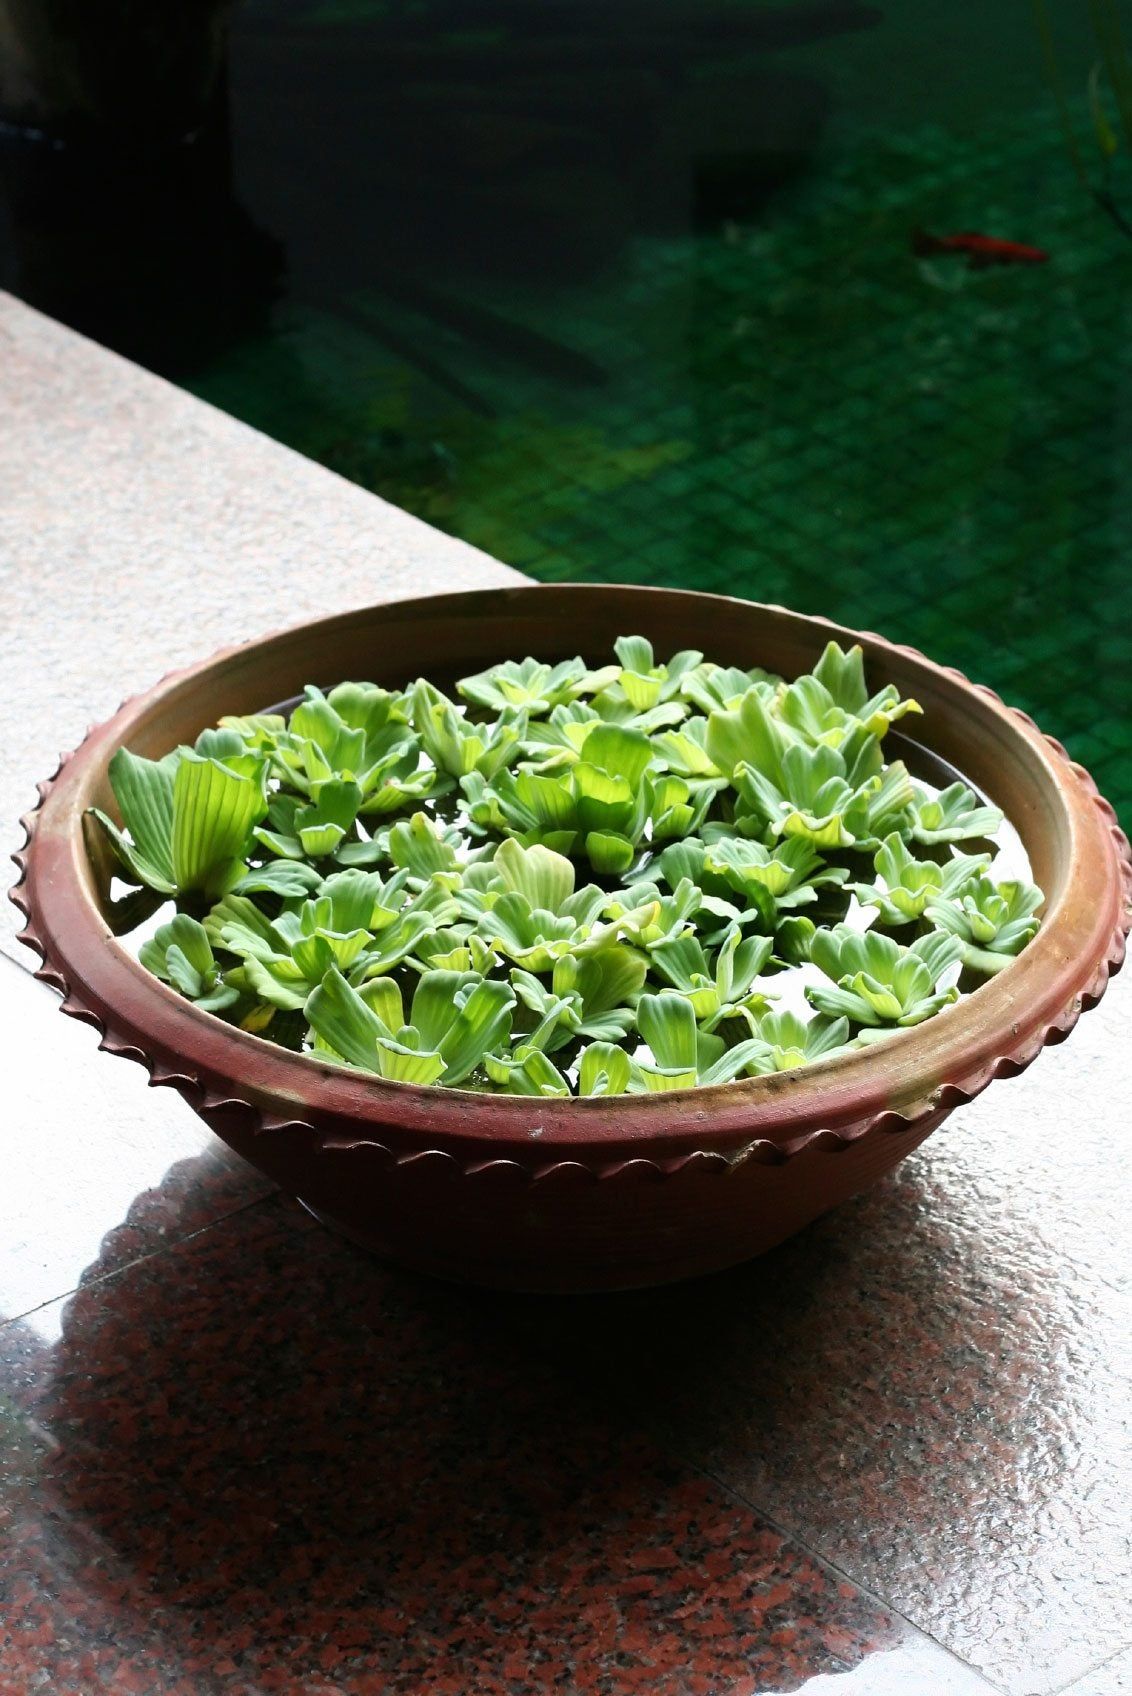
(980,250)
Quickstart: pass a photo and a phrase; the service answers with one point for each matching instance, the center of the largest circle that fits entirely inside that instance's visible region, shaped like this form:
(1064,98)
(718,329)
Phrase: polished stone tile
(933,1385)
(260,1462)
(96,1168)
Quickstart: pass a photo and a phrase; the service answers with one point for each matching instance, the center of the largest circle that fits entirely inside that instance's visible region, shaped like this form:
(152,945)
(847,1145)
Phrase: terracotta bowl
(591,1194)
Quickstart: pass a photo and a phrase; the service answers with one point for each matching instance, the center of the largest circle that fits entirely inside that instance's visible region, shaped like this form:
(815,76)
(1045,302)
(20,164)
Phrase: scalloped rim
(762,1151)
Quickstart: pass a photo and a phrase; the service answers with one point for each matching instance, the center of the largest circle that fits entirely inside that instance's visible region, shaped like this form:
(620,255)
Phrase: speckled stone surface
(1113,1679)
(239,1457)
(141,529)
(261,1462)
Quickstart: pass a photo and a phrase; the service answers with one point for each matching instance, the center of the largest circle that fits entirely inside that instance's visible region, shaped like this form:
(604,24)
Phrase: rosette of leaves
(653,917)
(528,910)
(524,904)
(555,741)
(833,797)
(593,995)
(700,896)
(819,795)
(684,750)
(642,681)
(678,1053)
(425,850)
(954,815)
(189,816)
(358,735)
(603,806)
(907,887)
(774,879)
(992,921)
(713,687)
(719,987)
(455,1020)
(180,954)
(789,1041)
(456,744)
(357,923)
(828,704)
(532,687)
(875,982)
(315,828)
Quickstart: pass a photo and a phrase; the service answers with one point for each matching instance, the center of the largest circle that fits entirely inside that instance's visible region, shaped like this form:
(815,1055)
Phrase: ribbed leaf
(526,1072)
(416,845)
(408,1065)
(622,753)
(343,1020)
(545,879)
(143,790)
(288,878)
(747,736)
(604,1069)
(609,854)
(668,1025)
(482,1024)
(214,812)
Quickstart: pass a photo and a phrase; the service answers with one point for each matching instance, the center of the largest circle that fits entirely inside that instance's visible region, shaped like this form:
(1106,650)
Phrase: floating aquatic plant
(561,880)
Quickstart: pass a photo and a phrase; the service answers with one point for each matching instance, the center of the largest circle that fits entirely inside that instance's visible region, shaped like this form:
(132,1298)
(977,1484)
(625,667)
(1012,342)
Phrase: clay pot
(590,1194)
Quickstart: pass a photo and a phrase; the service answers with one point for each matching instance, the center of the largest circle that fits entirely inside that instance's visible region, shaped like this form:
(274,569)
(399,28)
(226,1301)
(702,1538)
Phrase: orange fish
(980,250)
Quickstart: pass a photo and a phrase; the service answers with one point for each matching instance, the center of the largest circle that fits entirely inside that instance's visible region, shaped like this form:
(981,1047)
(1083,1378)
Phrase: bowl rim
(929,1068)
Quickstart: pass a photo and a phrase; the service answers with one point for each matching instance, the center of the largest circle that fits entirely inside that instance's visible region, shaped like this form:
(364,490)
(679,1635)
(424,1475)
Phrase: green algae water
(632,293)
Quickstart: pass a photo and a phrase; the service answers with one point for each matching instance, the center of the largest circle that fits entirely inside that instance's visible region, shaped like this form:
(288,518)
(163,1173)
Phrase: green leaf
(545,879)
(323,824)
(603,1069)
(404,1065)
(608,853)
(482,1021)
(748,736)
(214,811)
(526,1072)
(655,1079)
(842,672)
(344,1021)
(418,847)
(622,753)
(668,1025)
(288,878)
(608,980)
(143,790)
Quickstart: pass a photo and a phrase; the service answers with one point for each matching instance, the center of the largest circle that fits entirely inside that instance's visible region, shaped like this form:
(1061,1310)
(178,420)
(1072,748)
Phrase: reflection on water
(620,291)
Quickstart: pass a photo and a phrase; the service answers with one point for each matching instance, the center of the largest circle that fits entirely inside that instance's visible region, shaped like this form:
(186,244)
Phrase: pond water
(630,292)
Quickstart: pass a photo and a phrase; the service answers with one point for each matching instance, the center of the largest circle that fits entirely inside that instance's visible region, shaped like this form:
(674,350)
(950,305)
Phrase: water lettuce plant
(555,879)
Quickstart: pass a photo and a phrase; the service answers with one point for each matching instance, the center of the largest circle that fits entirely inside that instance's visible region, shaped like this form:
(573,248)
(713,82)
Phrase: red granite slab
(259,1463)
